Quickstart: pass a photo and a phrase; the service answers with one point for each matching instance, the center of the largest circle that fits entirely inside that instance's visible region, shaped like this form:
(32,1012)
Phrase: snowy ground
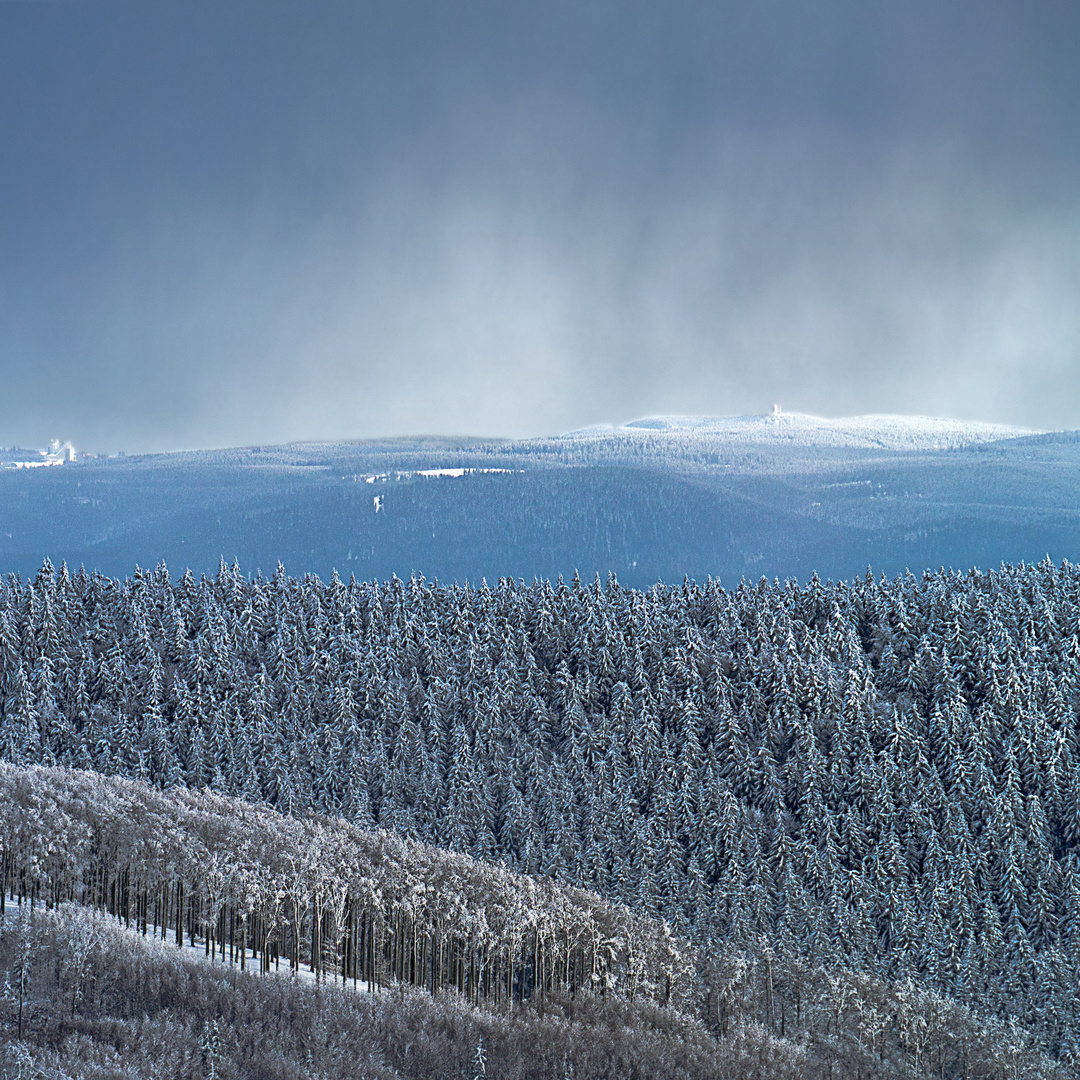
(454,472)
(169,949)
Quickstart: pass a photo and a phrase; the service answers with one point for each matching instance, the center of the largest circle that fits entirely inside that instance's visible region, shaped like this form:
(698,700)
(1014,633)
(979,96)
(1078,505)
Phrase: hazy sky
(224,223)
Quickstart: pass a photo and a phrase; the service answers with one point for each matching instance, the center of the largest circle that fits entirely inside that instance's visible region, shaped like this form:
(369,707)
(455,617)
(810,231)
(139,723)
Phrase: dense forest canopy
(879,775)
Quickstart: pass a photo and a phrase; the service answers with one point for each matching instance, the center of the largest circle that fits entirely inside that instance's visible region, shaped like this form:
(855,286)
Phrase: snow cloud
(248,223)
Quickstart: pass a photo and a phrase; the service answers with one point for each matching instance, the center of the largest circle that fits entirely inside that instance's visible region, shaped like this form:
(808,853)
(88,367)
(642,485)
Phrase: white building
(57,454)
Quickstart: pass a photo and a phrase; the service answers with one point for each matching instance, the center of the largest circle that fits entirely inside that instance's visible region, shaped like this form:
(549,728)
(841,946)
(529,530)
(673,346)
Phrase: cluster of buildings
(58,454)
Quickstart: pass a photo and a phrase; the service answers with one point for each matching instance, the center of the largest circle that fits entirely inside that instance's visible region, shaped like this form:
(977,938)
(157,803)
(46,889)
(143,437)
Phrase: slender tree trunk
(353,931)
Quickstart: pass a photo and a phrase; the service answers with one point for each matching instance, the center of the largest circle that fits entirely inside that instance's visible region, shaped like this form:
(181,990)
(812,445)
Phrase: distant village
(17,458)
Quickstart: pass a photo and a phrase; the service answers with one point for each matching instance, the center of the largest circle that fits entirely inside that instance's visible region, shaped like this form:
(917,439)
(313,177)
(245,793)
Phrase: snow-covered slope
(881,430)
(661,497)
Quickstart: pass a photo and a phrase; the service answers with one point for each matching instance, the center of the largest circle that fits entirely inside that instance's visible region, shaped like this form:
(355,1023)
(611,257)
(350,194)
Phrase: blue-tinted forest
(648,508)
(878,776)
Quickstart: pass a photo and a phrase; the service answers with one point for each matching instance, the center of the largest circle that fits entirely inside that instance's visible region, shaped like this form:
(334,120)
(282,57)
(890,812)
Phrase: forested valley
(833,828)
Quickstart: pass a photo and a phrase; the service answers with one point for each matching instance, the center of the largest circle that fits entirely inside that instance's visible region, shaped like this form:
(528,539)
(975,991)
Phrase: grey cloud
(511,225)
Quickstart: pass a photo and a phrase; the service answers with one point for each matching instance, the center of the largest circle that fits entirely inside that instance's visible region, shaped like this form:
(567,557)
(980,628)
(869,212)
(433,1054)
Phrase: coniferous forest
(840,798)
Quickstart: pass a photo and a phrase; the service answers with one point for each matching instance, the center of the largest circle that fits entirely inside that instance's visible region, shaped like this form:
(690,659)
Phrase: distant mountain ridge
(657,498)
(875,430)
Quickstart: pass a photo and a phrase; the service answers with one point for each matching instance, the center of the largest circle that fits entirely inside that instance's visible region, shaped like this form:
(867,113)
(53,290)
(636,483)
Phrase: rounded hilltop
(876,430)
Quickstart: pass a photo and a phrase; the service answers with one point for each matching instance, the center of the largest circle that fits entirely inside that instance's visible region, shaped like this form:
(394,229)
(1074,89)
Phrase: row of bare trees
(101,1002)
(253,888)
(248,885)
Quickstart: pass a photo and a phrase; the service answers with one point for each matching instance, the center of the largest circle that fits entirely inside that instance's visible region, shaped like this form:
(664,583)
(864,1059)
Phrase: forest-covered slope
(150,1013)
(878,776)
(742,496)
(361,905)
(125,913)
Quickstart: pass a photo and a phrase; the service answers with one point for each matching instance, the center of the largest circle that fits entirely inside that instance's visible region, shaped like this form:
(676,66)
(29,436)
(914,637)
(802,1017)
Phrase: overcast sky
(225,223)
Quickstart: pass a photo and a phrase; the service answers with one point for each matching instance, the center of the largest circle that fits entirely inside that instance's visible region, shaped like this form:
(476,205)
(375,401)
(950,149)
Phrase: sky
(231,223)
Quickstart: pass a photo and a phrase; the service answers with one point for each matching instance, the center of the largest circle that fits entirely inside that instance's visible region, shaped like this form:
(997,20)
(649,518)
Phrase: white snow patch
(453,472)
(167,948)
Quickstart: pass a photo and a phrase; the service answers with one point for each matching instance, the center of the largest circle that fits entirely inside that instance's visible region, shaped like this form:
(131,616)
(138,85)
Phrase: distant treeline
(879,775)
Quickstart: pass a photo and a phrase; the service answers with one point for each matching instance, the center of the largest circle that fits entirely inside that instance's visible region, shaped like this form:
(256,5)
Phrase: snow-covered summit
(883,431)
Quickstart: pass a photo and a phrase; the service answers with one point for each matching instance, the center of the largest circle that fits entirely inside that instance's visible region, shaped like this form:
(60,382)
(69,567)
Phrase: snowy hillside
(874,431)
(658,498)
